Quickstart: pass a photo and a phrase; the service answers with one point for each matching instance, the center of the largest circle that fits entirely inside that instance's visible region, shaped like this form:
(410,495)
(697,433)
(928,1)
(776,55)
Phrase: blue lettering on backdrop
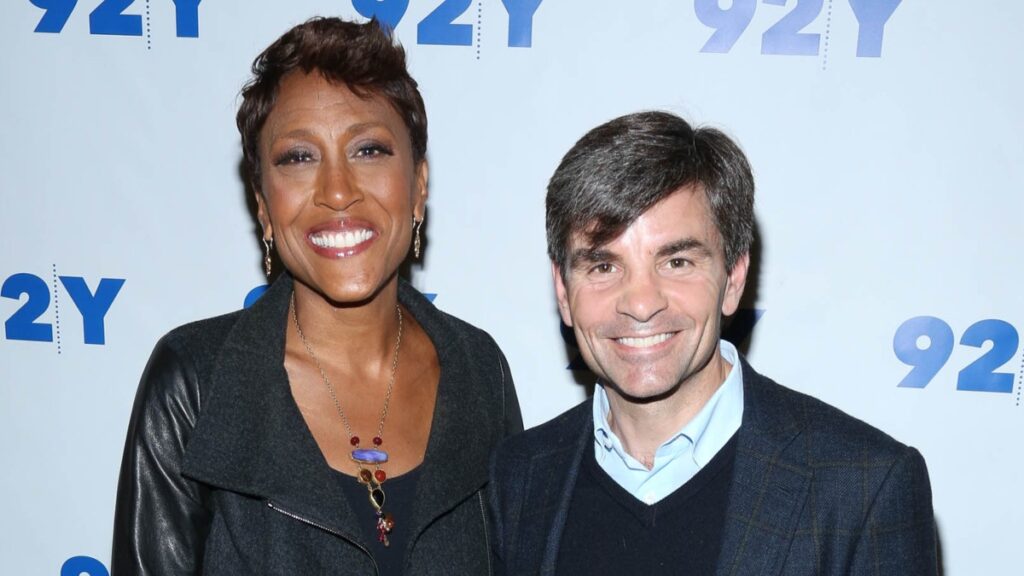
(79,565)
(981,375)
(93,307)
(22,324)
(729,24)
(186,18)
(109,18)
(520,21)
(387,12)
(55,16)
(785,37)
(872,16)
(254,295)
(925,343)
(438,26)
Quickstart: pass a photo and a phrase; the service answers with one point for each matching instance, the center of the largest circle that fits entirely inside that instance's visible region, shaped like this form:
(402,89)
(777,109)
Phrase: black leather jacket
(221,475)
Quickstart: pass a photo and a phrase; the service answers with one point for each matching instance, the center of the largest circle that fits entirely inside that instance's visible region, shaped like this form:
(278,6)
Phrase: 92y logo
(108,17)
(926,343)
(92,306)
(438,27)
(786,37)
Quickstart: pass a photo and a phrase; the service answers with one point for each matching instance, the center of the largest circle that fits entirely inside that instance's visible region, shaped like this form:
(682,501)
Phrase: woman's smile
(342,238)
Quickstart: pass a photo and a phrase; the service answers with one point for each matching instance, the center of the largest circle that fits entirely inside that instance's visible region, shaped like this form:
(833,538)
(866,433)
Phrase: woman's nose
(337,187)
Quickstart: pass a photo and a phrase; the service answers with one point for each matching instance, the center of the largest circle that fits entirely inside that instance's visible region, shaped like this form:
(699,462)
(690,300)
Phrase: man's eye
(602,268)
(293,157)
(678,263)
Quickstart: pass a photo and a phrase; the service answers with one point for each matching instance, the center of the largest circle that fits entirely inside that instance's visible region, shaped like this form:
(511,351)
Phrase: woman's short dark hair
(622,168)
(363,57)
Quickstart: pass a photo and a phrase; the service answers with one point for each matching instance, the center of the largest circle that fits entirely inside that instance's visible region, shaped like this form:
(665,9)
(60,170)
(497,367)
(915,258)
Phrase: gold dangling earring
(267,246)
(417,224)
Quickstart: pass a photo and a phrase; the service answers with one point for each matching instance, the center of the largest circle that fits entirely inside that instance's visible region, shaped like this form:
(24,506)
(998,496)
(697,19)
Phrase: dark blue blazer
(814,491)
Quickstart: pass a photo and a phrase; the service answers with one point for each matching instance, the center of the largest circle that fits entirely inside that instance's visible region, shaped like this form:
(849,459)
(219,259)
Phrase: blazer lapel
(770,483)
(548,484)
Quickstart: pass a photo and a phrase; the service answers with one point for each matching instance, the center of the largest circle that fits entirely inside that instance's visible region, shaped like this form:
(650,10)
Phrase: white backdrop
(889,188)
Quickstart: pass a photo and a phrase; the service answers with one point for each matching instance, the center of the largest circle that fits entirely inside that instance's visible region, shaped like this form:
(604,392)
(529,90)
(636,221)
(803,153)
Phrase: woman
(341,424)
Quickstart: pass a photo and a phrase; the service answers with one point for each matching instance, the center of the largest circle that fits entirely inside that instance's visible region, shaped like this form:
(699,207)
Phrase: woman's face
(339,187)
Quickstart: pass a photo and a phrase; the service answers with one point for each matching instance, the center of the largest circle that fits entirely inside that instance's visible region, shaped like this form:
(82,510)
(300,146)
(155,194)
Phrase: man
(686,461)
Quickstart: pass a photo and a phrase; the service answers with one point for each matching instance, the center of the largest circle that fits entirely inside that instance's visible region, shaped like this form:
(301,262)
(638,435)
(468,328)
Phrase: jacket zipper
(487,537)
(293,516)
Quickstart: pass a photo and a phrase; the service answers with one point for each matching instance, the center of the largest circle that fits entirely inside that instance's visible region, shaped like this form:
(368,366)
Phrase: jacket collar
(251,438)
(769,485)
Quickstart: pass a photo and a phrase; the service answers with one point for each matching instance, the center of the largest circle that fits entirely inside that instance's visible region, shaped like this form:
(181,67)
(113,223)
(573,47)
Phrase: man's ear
(734,284)
(561,294)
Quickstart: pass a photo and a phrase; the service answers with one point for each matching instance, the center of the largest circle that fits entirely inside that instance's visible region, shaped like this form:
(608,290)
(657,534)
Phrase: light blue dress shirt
(685,453)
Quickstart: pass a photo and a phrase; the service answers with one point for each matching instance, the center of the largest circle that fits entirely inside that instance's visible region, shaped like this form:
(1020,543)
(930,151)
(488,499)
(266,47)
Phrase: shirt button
(649,498)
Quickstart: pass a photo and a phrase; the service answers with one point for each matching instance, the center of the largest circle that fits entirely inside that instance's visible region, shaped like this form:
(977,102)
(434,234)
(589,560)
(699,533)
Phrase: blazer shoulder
(833,433)
(561,432)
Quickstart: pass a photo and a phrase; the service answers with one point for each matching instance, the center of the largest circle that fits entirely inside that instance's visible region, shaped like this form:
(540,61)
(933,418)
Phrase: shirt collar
(706,433)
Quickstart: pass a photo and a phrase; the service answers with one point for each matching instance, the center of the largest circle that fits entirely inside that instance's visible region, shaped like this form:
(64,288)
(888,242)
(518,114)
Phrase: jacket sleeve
(898,537)
(161,518)
(513,417)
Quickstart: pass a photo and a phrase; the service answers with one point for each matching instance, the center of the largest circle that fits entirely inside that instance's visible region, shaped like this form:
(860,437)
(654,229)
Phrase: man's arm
(898,536)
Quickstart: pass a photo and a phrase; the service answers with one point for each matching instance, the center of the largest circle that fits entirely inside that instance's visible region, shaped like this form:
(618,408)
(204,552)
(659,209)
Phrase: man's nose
(641,298)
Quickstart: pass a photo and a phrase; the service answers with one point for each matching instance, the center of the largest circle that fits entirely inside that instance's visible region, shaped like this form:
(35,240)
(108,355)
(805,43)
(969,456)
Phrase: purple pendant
(369,456)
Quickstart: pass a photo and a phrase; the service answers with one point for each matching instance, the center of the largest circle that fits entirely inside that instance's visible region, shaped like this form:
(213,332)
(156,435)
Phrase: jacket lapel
(455,463)
(251,438)
(770,482)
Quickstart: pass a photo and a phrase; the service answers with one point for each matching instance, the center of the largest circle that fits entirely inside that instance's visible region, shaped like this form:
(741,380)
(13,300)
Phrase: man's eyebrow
(581,256)
(685,245)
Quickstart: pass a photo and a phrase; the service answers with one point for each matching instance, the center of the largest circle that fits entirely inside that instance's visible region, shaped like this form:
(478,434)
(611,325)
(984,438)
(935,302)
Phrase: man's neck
(643,427)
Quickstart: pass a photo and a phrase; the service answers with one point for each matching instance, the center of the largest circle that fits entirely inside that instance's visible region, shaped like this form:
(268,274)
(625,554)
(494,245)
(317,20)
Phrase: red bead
(380,476)
(354,440)
(377,441)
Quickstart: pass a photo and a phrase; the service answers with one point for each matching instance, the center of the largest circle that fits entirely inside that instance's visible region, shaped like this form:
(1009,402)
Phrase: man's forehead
(683,202)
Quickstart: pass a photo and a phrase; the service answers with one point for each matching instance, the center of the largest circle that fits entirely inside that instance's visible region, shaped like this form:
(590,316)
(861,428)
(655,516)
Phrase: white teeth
(644,342)
(341,240)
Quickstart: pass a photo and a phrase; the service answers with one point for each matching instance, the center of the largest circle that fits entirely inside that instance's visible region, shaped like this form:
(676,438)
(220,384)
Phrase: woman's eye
(373,150)
(294,157)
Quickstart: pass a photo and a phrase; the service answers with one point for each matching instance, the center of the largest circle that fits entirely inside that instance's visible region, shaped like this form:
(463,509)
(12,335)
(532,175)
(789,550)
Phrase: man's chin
(643,393)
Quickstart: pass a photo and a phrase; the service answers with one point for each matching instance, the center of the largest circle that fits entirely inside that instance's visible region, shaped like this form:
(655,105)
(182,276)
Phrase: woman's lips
(341,239)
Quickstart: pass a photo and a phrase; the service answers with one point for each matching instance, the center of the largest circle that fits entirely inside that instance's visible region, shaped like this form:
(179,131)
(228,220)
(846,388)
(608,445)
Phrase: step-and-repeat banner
(885,136)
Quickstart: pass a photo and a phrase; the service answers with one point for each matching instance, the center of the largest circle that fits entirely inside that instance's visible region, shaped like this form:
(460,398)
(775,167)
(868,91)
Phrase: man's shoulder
(828,431)
(560,433)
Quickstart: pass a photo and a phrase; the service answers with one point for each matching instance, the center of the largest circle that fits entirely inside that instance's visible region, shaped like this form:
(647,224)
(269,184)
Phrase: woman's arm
(513,417)
(161,518)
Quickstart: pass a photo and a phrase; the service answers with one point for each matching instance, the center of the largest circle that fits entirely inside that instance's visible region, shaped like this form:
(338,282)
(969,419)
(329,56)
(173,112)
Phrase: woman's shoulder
(439,323)
(200,336)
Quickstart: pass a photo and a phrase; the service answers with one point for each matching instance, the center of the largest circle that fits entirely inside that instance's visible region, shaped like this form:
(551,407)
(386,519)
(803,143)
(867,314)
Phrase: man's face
(647,307)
